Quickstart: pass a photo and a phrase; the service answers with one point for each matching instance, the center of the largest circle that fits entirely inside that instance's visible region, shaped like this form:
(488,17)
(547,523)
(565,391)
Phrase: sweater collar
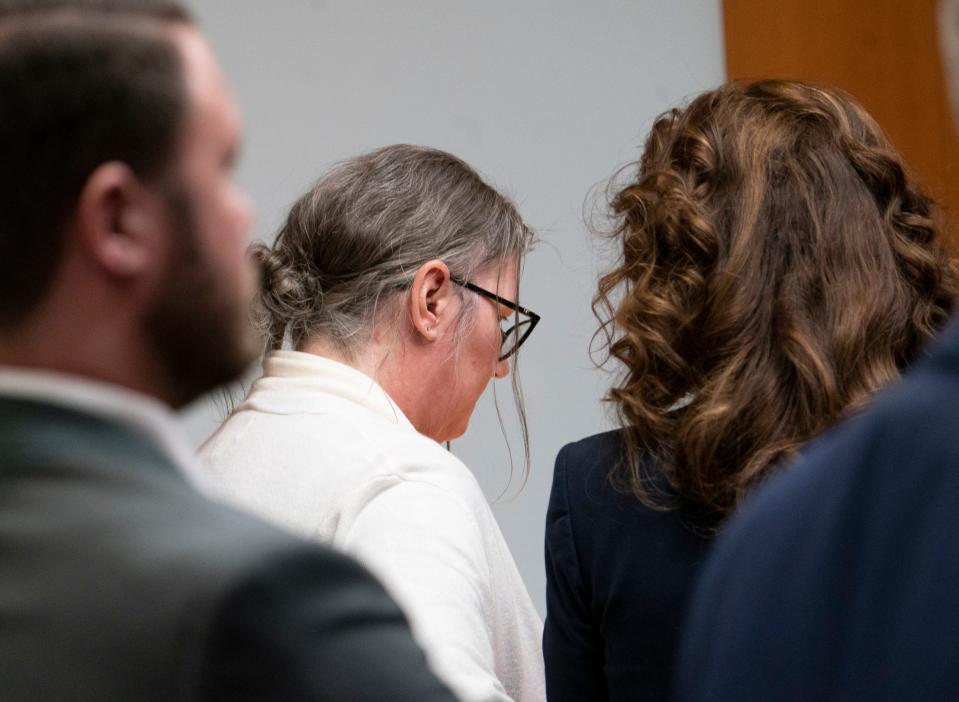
(294,382)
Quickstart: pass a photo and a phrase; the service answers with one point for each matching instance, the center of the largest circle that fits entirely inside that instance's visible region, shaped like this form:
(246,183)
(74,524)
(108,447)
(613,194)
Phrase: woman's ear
(430,299)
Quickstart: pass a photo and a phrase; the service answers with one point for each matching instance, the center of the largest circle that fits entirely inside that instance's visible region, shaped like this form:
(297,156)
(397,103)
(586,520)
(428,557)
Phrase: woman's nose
(502,368)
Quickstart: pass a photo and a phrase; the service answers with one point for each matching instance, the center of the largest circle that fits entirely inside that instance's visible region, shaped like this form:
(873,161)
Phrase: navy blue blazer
(840,580)
(617,578)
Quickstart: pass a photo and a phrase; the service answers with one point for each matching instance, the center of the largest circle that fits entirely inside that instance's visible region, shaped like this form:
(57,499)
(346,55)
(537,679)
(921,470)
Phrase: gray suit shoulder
(121,582)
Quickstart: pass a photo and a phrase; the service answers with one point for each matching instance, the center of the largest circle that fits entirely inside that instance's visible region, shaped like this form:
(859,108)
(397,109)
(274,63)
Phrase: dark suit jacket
(119,582)
(617,578)
(840,580)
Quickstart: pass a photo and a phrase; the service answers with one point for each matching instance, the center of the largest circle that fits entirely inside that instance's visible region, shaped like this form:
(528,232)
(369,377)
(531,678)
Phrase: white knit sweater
(319,448)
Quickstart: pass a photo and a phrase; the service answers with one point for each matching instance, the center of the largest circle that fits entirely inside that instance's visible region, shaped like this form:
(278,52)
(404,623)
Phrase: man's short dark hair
(81,83)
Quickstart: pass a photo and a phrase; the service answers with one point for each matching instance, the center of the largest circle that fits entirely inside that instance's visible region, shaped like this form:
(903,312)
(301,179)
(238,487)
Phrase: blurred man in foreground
(124,286)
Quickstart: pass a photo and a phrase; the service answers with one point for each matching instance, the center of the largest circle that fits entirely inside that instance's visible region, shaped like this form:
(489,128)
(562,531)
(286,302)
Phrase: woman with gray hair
(394,281)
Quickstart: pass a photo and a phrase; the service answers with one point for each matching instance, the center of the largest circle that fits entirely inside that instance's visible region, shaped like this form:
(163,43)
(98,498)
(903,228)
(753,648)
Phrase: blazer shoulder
(589,460)
(605,445)
(304,621)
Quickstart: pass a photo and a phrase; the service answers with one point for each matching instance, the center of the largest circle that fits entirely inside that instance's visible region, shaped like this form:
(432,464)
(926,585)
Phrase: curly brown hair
(779,265)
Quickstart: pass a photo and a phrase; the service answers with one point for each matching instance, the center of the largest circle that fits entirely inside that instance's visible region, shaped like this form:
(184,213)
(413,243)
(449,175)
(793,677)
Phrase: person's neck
(389,364)
(91,348)
(369,361)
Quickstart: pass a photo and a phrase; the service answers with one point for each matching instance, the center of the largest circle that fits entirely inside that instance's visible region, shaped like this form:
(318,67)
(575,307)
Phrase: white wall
(545,97)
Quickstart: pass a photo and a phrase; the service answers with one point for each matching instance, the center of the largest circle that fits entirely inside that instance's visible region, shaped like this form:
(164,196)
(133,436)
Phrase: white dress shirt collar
(140,412)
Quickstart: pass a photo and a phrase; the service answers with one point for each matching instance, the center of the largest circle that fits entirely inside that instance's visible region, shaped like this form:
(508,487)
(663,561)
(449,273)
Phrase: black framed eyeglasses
(519,331)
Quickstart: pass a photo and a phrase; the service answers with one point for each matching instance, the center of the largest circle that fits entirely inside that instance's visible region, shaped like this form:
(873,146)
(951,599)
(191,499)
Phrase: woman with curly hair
(778,267)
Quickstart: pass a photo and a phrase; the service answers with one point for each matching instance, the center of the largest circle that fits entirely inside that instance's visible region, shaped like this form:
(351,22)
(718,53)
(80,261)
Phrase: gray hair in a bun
(361,232)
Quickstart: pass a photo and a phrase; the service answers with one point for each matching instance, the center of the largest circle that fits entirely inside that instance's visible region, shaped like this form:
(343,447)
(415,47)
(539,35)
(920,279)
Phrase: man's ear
(430,297)
(119,221)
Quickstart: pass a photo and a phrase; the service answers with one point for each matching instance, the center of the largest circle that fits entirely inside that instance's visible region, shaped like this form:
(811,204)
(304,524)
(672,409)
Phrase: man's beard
(198,324)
